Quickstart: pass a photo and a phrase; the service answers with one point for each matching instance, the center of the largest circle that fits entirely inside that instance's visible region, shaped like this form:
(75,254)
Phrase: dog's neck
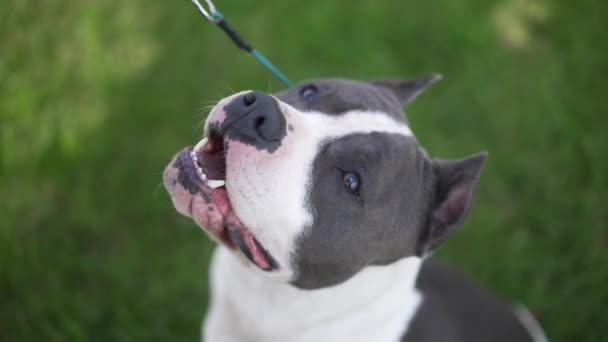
(376,304)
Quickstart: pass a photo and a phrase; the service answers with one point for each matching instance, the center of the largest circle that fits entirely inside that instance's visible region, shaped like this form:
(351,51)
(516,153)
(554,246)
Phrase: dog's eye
(352,182)
(309,92)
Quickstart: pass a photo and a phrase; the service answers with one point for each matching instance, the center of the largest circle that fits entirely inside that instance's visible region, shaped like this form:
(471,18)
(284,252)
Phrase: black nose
(255,118)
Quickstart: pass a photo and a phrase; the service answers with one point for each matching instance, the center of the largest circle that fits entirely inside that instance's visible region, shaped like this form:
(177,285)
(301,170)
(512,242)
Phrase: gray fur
(380,225)
(338,96)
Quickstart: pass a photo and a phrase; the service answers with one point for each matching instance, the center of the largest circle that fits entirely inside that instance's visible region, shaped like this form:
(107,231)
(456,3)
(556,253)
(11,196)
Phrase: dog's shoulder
(455,309)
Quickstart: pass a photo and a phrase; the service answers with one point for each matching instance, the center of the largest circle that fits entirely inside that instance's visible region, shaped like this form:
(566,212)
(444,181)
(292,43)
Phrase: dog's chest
(375,305)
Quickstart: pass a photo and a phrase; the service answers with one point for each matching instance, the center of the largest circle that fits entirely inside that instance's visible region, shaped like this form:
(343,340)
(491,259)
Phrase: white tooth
(215,183)
(200,145)
(203,176)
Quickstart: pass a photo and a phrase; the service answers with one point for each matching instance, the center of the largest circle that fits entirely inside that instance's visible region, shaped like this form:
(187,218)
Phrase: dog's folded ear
(407,90)
(455,182)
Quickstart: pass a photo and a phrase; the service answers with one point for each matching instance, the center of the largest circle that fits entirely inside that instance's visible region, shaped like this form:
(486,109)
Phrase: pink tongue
(256,253)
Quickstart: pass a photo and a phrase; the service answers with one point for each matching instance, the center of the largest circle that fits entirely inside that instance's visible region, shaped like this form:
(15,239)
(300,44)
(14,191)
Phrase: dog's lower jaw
(374,305)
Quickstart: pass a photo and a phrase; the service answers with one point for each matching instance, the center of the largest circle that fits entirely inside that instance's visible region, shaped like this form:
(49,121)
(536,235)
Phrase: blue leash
(216,18)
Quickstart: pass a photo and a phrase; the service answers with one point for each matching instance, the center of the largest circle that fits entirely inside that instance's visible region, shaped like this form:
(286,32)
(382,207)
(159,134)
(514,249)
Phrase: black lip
(236,237)
(187,175)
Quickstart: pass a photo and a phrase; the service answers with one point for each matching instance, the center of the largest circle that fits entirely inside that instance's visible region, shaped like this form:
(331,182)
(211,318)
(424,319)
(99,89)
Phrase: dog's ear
(455,182)
(407,90)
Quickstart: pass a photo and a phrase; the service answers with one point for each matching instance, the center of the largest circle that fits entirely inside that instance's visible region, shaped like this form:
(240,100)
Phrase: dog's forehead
(339,96)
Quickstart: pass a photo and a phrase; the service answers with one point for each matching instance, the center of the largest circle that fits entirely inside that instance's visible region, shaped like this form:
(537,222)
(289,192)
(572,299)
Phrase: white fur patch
(375,305)
(530,323)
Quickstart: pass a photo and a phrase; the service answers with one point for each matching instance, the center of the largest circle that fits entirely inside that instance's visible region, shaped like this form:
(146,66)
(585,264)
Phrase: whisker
(205,108)
(158,187)
(198,130)
(232,91)
(210,102)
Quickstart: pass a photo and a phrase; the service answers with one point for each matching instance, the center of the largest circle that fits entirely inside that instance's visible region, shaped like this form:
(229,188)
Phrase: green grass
(96,96)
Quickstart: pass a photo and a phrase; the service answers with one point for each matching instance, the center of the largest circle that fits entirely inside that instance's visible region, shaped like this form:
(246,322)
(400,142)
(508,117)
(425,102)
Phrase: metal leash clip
(212,15)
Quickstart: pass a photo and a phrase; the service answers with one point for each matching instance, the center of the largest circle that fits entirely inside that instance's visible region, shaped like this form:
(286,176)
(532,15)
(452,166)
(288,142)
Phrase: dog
(326,210)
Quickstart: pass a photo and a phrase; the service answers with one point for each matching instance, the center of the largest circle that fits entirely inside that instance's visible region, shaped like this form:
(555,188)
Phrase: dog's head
(319,181)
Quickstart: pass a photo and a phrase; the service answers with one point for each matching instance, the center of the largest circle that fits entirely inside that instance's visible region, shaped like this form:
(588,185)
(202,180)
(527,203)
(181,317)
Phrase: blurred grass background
(95,97)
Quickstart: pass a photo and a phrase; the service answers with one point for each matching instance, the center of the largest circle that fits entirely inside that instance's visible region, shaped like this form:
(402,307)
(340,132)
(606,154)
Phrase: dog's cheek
(207,215)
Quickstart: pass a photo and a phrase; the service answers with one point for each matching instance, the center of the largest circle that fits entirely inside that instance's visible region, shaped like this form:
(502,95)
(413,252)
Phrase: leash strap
(217,19)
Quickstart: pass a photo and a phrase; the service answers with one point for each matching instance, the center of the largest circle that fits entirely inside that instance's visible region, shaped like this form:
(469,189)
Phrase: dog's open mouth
(204,166)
